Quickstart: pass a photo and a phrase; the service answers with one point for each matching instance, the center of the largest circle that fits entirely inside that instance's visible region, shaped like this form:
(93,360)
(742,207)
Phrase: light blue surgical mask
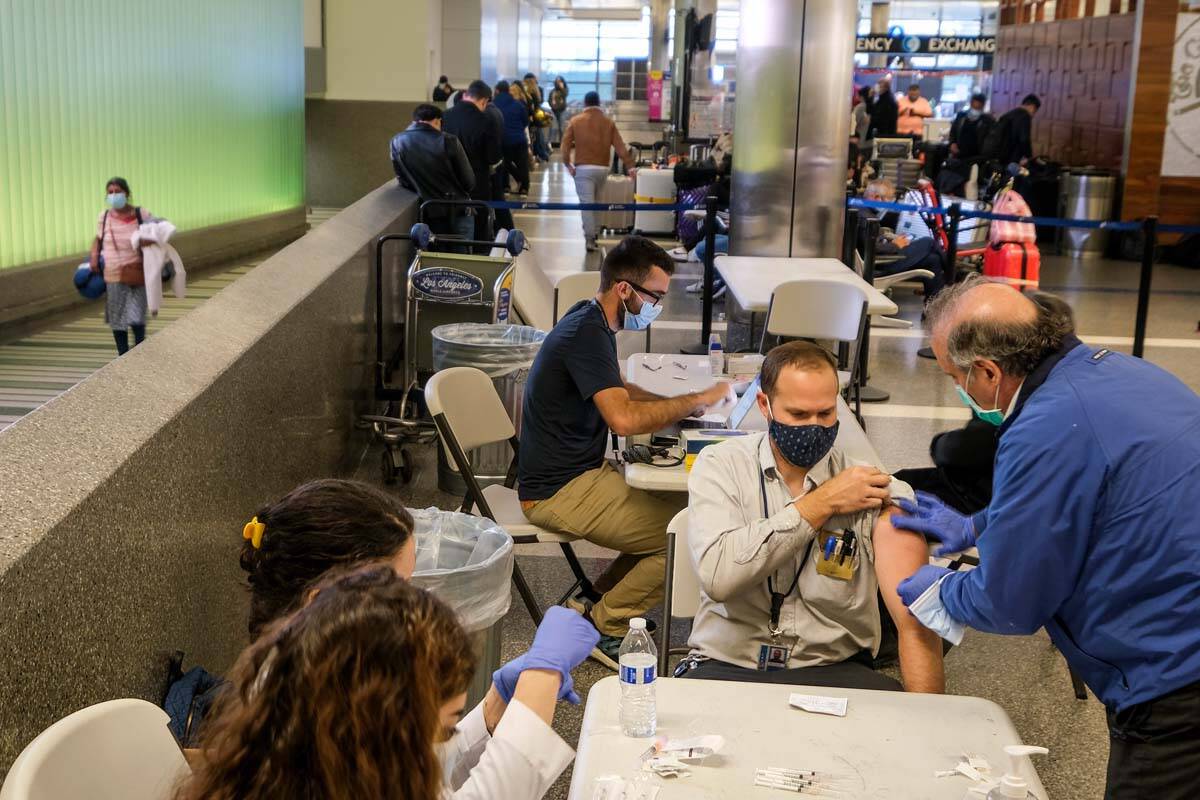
(641,320)
(994,416)
(974,113)
(116,200)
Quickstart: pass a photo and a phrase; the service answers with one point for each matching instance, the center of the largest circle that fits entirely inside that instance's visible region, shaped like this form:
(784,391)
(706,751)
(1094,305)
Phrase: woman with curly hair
(358,694)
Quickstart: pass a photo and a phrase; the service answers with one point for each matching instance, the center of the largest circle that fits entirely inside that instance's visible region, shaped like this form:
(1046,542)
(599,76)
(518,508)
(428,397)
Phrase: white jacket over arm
(519,762)
(157,234)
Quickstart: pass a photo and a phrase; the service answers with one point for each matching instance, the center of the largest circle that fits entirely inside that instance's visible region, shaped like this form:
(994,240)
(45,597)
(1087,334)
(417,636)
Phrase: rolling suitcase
(655,186)
(617,189)
(1015,263)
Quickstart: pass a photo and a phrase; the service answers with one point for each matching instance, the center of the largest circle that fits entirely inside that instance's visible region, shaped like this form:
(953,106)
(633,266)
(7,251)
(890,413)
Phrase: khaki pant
(600,507)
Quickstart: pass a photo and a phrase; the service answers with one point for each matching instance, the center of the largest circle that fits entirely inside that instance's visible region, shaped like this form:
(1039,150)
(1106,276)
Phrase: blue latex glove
(931,517)
(915,585)
(562,642)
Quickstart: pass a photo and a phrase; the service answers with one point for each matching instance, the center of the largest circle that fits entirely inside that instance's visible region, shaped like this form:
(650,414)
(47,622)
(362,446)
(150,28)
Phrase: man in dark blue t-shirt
(574,396)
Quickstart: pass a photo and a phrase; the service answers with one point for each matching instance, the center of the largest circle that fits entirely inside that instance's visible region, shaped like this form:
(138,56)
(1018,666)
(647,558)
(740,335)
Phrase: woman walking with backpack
(113,254)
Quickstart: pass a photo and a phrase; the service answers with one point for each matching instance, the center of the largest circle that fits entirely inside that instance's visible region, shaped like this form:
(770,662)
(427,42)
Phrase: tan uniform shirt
(592,134)
(735,546)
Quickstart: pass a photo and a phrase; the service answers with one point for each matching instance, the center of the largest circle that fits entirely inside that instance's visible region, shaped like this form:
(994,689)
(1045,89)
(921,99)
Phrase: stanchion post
(849,232)
(952,244)
(869,240)
(706,309)
(1149,245)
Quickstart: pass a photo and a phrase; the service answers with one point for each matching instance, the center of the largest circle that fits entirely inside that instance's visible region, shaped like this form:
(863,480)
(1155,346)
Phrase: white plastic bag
(467,562)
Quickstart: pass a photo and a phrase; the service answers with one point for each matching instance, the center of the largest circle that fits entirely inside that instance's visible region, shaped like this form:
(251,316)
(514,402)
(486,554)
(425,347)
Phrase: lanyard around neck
(777,598)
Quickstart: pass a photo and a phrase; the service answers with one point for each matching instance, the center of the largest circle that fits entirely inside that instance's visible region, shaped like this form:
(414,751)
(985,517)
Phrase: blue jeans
(720,245)
(541,145)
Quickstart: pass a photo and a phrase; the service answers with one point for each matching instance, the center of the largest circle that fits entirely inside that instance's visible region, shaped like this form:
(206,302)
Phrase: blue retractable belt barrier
(1050,222)
(528,205)
(853,202)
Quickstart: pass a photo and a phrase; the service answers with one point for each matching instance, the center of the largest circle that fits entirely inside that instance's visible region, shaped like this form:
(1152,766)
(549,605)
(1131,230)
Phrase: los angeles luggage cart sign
(448,285)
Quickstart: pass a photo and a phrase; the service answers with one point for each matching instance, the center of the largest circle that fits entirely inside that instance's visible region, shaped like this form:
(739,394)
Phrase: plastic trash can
(467,562)
(505,353)
(1087,194)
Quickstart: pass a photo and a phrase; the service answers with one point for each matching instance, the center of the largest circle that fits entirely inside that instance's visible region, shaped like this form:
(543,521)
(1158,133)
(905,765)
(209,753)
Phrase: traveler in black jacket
(970,129)
(884,111)
(1011,139)
(433,164)
(480,135)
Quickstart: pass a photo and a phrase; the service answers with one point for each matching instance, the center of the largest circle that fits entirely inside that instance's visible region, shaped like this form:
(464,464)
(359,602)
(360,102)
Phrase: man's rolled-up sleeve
(729,553)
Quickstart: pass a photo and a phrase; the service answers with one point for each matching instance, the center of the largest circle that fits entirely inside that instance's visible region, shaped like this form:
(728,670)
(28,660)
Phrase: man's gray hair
(1017,346)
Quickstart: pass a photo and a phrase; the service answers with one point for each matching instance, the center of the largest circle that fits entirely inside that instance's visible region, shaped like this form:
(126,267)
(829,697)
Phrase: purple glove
(933,518)
(915,585)
(562,642)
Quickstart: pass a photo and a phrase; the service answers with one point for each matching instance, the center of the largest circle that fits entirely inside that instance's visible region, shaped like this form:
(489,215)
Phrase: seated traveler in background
(913,253)
(574,396)
(433,164)
(125,303)
(792,542)
(360,693)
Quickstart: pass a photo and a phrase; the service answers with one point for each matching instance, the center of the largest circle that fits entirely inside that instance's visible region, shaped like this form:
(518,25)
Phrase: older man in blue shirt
(1092,530)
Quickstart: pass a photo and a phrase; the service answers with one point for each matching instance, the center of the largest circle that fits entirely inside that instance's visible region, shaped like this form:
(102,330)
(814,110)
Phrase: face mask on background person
(641,320)
(802,445)
(974,113)
(994,416)
(116,200)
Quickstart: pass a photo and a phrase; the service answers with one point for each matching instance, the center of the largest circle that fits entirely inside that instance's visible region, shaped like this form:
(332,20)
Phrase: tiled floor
(39,367)
(1024,675)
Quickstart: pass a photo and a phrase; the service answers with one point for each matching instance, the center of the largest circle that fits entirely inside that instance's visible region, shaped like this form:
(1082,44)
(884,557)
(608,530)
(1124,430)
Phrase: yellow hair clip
(253,532)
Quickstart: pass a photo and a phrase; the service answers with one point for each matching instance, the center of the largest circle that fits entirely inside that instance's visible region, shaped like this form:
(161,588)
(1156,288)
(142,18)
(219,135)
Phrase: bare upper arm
(898,554)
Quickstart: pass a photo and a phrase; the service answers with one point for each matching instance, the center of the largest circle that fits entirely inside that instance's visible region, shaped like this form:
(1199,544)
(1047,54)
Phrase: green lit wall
(199,104)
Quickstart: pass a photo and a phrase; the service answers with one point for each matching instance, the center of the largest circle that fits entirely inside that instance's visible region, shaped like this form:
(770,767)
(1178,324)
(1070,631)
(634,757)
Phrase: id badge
(837,555)
(773,656)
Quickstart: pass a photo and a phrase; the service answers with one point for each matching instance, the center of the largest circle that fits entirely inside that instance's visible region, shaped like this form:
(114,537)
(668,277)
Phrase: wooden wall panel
(1149,119)
(1081,69)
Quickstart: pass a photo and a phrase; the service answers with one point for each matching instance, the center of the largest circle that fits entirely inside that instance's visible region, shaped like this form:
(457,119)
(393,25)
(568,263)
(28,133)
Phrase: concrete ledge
(44,288)
(122,501)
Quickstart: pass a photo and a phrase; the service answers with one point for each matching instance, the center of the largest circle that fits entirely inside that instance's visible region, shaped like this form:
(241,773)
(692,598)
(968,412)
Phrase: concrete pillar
(880,21)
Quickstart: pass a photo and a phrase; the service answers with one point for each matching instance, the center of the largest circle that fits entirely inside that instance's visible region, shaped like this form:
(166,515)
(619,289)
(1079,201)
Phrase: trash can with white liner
(467,562)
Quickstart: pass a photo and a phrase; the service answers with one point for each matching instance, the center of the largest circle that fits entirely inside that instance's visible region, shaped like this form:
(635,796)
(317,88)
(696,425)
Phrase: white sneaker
(695,288)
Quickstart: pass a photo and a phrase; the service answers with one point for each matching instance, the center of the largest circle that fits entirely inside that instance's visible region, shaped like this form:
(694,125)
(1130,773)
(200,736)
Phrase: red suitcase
(1015,263)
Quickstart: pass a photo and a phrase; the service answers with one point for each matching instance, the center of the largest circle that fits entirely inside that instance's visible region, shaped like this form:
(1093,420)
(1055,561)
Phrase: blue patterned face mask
(802,445)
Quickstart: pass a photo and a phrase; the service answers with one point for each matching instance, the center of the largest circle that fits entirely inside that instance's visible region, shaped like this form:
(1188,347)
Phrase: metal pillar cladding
(795,65)
(660,29)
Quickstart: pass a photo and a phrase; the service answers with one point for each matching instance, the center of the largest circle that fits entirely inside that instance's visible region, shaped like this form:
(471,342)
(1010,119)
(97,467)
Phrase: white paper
(834,706)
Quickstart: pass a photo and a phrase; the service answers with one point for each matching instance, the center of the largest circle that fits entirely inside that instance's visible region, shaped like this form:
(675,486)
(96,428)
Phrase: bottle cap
(637,624)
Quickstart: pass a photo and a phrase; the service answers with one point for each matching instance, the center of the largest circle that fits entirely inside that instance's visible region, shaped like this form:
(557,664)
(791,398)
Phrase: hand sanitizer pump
(1012,785)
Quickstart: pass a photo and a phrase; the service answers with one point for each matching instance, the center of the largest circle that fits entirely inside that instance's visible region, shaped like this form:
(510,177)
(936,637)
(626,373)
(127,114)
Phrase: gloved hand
(915,585)
(562,642)
(933,518)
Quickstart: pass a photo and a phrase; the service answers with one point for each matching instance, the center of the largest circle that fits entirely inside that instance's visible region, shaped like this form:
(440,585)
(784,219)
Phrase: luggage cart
(440,288)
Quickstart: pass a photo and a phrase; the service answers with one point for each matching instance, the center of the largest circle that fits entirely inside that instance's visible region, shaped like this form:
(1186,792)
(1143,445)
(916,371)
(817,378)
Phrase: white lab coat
(155,257)
(519,762)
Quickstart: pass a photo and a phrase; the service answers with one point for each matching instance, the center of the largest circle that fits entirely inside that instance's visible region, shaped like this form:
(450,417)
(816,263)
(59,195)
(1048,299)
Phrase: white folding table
(889,744)
(753,279)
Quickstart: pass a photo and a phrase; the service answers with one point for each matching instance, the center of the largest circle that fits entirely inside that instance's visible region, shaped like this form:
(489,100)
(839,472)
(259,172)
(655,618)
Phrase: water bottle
(716,354)
(638,665)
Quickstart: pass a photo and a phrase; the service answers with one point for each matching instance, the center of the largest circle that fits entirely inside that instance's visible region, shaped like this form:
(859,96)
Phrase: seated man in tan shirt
(791,544)
(586,150)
